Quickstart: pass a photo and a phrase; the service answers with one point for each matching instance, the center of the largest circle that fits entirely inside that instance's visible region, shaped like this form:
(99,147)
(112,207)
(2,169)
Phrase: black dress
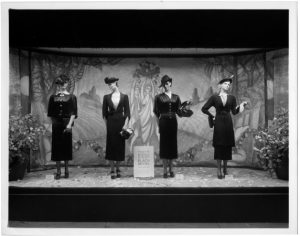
(115,144)
(166,109)
(60,108)
(223,136)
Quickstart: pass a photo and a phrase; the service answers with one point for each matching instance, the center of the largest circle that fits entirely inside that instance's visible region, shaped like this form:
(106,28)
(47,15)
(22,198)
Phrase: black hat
(228,78)
(109,80)
(62,79)
(164,80)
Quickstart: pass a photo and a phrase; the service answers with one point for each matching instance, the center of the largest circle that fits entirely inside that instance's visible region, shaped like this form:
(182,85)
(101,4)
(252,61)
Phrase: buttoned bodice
(166,107)
(62,106)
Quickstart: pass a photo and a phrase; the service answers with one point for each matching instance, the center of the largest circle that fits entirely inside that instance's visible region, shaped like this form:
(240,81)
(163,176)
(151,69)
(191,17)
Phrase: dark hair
(62,79)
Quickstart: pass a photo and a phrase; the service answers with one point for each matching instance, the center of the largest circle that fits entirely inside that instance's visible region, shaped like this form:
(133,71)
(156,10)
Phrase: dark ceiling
(149,28)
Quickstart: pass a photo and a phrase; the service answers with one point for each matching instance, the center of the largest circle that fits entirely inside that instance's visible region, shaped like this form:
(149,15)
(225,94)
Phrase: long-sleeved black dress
(60,108)
(166,108)
(223,136)
(115,119)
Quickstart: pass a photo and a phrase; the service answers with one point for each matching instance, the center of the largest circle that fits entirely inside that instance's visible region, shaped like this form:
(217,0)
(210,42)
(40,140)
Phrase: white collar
(116,93)
(63,92)
(220,94)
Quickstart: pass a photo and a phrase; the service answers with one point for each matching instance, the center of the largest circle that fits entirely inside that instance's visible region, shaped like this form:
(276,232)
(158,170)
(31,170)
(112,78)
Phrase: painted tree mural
(143,90)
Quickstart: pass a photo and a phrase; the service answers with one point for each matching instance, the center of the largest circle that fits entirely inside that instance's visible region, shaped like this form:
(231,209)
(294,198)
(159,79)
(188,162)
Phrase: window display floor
(99,177)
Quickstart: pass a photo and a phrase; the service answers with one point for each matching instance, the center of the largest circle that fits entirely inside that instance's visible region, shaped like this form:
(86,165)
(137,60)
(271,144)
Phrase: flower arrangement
(272,143)
(24,136)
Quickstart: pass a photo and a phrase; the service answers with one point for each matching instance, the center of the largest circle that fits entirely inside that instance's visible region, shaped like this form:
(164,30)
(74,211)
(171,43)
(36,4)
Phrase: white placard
(143,165)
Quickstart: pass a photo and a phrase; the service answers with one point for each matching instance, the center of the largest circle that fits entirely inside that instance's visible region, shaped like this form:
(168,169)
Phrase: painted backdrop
(193,78)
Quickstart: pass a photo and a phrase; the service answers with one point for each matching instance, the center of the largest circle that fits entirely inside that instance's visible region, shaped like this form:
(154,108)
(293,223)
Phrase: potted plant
(272,145)
(24,137)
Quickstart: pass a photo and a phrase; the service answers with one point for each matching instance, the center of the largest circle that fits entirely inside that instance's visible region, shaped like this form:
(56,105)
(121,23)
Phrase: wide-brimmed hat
(227,78)
(164,80)
(62,79)
(109,80)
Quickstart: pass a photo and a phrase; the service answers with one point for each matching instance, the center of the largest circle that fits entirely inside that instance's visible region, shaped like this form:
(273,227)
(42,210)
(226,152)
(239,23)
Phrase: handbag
(67,131)
(126,133)
(184,111)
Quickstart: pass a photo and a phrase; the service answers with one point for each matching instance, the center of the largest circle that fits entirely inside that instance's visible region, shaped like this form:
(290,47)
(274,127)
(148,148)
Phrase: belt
(170,115)
(111,113)
(223,113)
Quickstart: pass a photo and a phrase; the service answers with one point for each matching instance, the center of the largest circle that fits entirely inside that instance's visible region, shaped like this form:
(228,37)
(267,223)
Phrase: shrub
(24,136)
(272,143)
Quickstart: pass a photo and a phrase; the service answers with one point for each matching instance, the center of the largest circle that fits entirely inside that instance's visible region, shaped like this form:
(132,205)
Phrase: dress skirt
(61,141)
(223,153)
(115,144)
(168,138)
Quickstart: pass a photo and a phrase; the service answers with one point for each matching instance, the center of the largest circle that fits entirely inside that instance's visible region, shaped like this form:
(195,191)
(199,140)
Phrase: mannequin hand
(244,103)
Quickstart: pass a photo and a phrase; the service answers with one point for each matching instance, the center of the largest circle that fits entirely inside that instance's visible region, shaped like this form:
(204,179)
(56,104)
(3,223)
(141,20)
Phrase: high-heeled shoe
(112,175)
(172,175)
(57,176)
(118,173)
(220,176)
(165,175)
(66,175)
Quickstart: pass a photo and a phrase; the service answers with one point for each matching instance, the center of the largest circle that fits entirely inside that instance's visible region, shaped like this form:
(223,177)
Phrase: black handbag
(184,111)
(211,121)
(67,130)
(126,133)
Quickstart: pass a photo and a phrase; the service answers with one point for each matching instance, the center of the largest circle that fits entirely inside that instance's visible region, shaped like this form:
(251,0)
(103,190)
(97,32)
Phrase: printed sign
(143,165)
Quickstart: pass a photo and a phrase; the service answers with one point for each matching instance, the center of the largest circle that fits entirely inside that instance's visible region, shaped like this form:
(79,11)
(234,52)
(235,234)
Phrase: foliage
(96,147)
(147,69)
(91,144)
(272,143)
(24,135)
